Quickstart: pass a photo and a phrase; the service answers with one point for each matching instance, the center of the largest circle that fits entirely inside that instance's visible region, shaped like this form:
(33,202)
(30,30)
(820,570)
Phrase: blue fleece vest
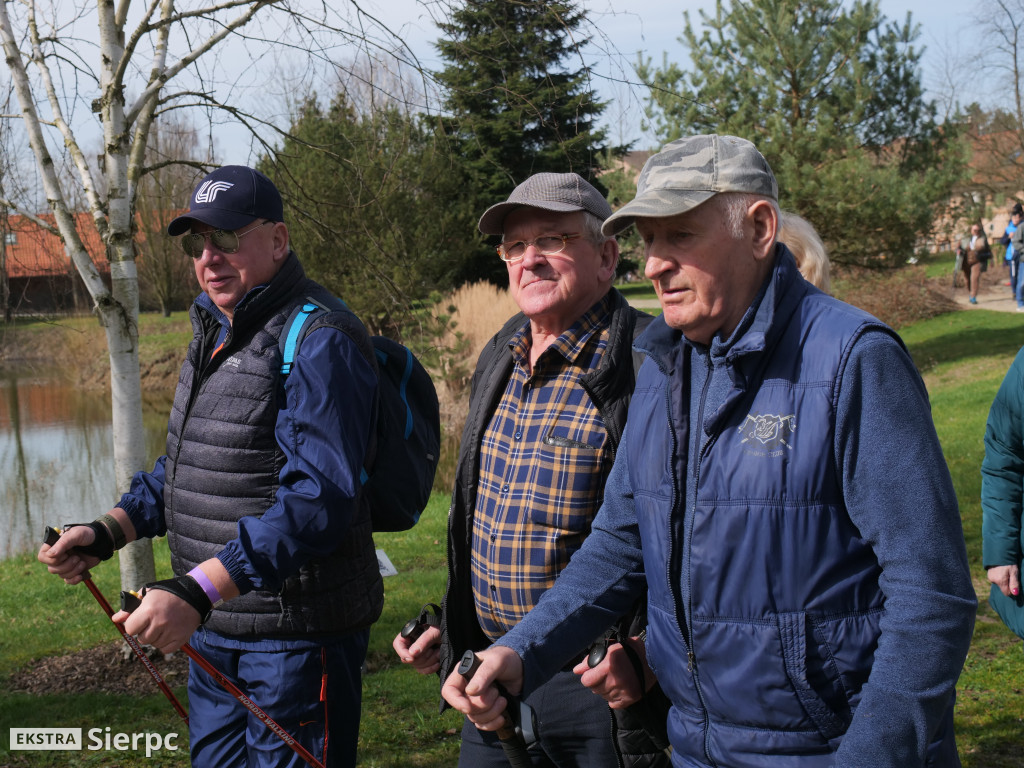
(768,655)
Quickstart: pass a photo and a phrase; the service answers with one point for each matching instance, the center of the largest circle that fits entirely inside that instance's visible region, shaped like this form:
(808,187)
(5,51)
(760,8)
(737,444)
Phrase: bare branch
(39,222)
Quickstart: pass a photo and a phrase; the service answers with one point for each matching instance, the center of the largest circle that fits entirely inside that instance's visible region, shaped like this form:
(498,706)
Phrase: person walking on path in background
(1012,257)
(777,473)
(1002,498)
(976,253)
(1016,248)
(276,578)
(547,409)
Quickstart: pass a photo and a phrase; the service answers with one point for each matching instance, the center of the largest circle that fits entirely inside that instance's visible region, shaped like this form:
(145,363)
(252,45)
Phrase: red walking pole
(130,601)
(50,536)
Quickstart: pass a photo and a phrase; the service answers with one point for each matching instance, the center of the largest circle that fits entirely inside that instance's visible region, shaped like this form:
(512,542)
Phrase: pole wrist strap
(103,541)
(186,588)
(114,529)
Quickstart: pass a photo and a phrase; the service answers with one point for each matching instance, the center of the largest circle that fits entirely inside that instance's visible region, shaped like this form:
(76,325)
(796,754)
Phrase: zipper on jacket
(675,560)
(699,452)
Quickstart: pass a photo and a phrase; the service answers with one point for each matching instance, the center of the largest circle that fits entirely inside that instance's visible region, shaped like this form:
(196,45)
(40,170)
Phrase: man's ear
(765,220)
(280,233)
(609,259)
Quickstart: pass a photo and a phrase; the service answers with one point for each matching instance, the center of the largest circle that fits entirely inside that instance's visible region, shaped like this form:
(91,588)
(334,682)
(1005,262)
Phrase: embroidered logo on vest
(771,431)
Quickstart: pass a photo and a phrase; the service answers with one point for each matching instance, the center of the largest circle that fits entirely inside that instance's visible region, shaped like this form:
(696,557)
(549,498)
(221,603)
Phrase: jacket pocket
(793,632)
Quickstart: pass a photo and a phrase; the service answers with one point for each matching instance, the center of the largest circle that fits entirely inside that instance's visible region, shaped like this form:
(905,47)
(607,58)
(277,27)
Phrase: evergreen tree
(518,101)
(832,96)
(368,212)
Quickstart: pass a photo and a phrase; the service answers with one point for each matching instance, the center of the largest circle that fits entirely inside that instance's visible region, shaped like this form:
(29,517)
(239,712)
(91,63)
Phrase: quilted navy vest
(223,464)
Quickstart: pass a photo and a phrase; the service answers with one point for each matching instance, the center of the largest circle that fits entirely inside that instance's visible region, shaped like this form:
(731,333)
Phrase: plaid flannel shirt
(544,460)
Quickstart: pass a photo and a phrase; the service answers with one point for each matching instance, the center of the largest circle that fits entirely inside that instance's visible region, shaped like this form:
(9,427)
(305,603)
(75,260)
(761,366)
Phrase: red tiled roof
(36,252)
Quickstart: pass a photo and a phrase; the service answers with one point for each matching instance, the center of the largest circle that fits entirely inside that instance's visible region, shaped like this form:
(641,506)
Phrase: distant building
(996,183)
(41,278)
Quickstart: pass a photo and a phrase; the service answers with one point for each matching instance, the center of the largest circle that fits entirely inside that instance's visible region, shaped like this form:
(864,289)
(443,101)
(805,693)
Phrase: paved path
(991,295)
(644,303)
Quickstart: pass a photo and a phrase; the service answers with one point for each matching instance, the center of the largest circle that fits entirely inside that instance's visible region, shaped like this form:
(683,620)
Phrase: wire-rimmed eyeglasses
(224,240)
(547,246)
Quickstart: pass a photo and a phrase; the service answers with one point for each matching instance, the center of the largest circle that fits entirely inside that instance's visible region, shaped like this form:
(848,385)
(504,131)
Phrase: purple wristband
(204,581)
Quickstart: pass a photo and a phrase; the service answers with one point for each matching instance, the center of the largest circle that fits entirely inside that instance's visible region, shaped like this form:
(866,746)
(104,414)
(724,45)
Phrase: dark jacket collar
(261,301)
(776,301)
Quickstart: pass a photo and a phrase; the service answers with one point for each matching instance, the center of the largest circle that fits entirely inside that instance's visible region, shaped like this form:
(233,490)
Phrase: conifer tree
(368,208)
(831,93)
(518,101)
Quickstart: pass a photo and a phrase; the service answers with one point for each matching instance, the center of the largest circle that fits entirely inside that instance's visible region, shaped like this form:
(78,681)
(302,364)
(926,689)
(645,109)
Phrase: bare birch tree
(141,59)
(994,104)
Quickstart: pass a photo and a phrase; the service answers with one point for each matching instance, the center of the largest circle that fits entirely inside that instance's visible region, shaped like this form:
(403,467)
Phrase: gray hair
(809,251)
(734,206)
(592,229)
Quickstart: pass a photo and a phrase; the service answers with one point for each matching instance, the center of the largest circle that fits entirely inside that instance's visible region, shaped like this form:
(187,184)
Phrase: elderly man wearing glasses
(547,409)
(276,581)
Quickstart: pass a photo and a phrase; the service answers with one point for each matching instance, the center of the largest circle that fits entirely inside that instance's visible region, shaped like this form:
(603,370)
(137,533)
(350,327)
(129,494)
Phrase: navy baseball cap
(229,198)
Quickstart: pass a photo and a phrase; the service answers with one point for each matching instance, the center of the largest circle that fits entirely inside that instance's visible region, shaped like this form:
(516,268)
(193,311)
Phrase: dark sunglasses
(224,240)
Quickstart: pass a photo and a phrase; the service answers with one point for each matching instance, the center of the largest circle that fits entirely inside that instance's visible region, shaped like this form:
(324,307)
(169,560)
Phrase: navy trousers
(574,730)
(314,694)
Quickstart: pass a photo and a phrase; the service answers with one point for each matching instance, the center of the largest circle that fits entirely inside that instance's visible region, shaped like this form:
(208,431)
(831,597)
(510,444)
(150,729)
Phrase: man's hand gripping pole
(511,736)
(131,600)
(50,537)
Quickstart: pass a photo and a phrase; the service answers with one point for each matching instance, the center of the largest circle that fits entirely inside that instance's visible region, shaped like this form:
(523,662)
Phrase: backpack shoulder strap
(295,327)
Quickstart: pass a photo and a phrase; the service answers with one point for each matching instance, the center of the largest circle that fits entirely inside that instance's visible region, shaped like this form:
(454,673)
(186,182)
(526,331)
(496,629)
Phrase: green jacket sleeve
(1002,471)
(1002,489)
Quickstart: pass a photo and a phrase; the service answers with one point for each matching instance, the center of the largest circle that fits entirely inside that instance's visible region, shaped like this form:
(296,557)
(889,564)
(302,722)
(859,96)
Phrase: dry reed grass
(478,311)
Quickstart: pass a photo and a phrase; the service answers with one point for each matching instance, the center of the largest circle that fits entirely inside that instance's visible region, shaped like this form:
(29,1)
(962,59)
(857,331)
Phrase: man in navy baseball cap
(229,198)
(276,579)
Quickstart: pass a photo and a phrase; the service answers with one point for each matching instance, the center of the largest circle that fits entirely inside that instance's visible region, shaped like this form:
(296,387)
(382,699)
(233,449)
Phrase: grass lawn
(963,357)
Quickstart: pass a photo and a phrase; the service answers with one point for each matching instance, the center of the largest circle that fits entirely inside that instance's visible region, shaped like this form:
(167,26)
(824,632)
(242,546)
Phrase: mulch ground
(103,669)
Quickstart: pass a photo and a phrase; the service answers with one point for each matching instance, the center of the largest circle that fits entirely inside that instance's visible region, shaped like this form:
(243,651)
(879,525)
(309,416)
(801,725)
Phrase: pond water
(56,456)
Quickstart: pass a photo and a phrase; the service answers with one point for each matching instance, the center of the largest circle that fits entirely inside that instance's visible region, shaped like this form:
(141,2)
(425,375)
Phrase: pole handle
(511,740)
(429,616)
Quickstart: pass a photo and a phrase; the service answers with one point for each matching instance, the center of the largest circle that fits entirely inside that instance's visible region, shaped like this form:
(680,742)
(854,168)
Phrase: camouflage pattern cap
(690,171)
(560,192)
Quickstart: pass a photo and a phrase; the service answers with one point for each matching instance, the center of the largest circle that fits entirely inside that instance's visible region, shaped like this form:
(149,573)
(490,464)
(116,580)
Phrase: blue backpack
(403,459)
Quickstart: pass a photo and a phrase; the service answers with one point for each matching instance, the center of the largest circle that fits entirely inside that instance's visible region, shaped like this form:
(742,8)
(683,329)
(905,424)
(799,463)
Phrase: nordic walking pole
(50,536)
(511,741)
(130,601)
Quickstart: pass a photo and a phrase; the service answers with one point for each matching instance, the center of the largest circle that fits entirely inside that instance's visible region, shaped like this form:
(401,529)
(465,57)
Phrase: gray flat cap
(560,192)
(690,171)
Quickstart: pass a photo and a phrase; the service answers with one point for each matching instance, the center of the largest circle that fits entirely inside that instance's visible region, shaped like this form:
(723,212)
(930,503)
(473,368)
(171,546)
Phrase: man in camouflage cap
(780,489)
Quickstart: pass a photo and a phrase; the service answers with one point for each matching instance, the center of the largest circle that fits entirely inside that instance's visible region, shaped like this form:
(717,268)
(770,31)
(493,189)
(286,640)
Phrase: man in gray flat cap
(781,493)
(547,408)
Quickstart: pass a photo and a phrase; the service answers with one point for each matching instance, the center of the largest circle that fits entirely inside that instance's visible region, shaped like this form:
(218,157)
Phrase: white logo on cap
(208,190)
